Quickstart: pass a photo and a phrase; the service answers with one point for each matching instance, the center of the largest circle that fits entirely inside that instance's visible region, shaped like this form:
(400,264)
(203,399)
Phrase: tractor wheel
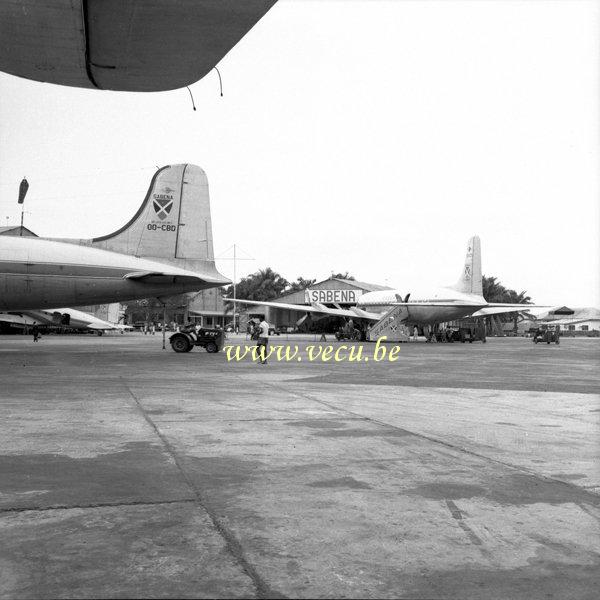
(181,344)
(212,347)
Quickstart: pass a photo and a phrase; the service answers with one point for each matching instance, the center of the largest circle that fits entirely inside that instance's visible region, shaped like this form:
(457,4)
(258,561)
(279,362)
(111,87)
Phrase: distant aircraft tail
(470,280)
(173,224)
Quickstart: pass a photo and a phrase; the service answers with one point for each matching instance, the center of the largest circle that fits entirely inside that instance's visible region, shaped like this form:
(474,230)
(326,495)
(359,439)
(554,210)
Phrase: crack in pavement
(22,509)
(233,545)
(458,516)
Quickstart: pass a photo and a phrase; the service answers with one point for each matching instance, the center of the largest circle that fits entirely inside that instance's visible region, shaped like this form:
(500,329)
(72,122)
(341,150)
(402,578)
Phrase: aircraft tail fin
(173,220)
(471,280)
(173,224)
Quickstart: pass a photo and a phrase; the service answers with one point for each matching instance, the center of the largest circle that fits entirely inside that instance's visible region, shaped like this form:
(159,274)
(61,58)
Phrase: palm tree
(494,291)
(514,298)
(301,284)
(520,298)
(265,285)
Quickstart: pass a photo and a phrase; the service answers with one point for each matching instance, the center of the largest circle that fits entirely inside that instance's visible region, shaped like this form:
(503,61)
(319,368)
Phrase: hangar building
(573,319)
(333,291)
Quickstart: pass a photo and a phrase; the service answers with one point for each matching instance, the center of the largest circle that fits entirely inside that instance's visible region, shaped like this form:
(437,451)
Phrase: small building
(207,308)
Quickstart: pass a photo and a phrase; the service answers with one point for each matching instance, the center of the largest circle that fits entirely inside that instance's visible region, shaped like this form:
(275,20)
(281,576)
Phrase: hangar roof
(579,314)
(562,310)
(367,287)
(125,45)
(15,230)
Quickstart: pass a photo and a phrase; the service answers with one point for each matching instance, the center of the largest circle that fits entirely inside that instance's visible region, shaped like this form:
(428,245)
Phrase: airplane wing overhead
(123,45)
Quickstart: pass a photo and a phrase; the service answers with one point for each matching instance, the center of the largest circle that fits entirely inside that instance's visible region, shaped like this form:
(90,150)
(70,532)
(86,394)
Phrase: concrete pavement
(459,471)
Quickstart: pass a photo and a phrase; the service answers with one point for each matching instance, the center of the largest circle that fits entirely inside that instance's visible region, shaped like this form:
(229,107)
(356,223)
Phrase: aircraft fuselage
(463,305)
(37,273)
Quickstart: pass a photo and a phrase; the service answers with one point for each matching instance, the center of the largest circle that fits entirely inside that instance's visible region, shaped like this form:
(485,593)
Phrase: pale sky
(373,137)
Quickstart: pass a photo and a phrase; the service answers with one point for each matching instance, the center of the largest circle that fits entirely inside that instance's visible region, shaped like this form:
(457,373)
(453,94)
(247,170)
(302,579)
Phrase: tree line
(267,284)
(494,291)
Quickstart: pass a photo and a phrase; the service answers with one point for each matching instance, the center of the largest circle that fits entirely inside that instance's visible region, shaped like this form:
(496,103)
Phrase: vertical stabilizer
(470,280)
(172,225)
(173,221)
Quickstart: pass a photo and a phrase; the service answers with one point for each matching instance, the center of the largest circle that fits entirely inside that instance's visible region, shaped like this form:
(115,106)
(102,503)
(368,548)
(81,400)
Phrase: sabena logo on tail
(162,205)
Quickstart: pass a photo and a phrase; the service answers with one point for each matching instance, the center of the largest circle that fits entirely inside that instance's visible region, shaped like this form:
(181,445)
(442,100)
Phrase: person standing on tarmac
(263,341)
(36,333)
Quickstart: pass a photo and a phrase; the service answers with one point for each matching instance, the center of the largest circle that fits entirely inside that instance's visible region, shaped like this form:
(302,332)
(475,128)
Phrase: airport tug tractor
(545,334)
(188,337)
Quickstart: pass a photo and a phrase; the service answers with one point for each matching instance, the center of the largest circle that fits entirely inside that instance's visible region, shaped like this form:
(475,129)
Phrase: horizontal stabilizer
(161,278)
(139,275)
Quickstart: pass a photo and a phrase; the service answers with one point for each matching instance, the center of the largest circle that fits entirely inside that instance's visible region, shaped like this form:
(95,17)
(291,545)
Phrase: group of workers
(259,331)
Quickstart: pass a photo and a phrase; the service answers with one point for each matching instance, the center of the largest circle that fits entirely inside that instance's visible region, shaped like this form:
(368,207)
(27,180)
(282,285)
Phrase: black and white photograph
(300,299)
